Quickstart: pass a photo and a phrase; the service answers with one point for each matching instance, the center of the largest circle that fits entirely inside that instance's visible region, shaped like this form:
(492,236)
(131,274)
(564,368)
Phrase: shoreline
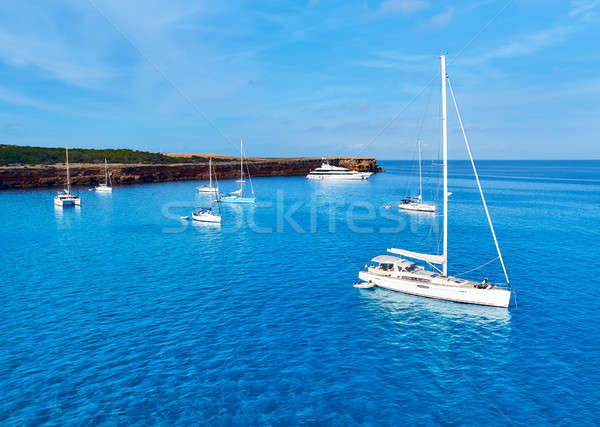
(91,174)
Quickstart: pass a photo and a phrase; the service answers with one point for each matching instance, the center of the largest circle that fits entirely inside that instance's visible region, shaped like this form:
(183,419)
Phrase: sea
(121,313)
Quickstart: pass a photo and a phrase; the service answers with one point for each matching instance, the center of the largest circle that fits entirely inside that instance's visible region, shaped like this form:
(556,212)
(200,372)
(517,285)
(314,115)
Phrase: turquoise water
(120,313)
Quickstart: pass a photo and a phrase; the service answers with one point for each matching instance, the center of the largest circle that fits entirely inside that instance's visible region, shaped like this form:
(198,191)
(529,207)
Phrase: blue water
(119,313)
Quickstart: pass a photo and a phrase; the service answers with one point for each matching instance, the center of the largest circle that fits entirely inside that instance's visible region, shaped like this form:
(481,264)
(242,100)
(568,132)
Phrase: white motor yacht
(329,172)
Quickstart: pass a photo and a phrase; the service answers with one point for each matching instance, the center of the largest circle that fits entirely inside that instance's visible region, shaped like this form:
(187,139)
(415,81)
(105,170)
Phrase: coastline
(88,174)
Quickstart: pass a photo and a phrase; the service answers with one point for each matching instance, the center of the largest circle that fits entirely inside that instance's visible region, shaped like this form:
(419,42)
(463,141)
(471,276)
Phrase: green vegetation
(25,155)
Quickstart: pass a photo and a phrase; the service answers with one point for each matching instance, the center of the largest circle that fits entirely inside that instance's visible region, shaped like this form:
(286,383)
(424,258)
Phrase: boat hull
(417,207)
(206,217)
(103,189)
(495,297)
(235,199)
(67,202)
(359,176)
(207,190)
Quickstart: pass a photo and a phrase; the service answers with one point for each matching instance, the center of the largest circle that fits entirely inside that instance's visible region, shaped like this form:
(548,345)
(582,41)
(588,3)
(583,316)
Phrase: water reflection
(393,304)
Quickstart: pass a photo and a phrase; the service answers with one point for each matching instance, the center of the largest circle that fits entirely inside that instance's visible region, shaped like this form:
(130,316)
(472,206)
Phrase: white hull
(207,190)
(358,176)
(417,207)
(72,201)
(496,297)
(103,189)
(206,217)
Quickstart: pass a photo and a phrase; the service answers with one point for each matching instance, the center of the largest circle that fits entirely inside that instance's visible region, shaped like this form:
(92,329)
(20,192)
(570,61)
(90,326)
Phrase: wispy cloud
(583,7)
(404,7)
(440,19)
(526,45)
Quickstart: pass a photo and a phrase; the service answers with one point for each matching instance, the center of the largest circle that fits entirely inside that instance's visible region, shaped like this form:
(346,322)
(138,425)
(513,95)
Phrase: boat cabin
(389,265)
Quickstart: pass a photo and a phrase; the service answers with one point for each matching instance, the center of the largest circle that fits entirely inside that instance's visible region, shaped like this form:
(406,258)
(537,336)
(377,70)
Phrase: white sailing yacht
(66,198)
(210,188)
(238,195)
(416,203)
(209,214)
(106,186)
(397,273)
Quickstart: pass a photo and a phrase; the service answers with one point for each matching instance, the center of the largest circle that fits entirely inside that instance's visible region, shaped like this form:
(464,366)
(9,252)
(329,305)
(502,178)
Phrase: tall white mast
(210,173)
(68,176)
(445,166)
(241,163)
(420,175)
(105,171)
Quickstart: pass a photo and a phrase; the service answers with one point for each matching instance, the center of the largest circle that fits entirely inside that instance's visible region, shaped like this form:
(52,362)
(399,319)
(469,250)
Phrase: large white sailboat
(106,186)
(66,198)
(239,196)
(416,203)
(210,188)
(397,273)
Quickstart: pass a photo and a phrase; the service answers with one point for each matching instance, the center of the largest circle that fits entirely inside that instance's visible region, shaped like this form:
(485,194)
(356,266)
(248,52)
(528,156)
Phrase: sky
(302,78)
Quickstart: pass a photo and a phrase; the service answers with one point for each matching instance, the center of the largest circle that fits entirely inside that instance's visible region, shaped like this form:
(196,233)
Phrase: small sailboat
(209,215)
(106,186)
(416,203)
(210,188)
(395,272)
(66,198)
(238,196)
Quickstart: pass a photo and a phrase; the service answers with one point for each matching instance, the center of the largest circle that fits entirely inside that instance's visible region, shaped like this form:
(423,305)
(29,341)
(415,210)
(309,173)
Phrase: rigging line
(487,212)
(450,61)
(159,71)
(476,268)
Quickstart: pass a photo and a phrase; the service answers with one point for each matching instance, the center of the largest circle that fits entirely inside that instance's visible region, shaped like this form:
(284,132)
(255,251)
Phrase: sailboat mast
(68,176)
(420,175)
(241,163)
(445,165)
(105,171)
(210,173)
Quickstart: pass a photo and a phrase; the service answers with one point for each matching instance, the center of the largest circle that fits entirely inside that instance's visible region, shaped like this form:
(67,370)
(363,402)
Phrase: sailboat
(238,195)
(106,186)
(209,214)
(397,273)
(416,203)
(66,198)
(210,188)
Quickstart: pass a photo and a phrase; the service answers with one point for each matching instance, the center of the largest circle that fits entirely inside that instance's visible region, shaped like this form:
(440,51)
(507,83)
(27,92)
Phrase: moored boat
(399,274)
(66,198)
(329,172)
(239,196)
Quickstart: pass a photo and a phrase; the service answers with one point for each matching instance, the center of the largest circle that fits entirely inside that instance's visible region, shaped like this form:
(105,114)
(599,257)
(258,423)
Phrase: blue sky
(302,77)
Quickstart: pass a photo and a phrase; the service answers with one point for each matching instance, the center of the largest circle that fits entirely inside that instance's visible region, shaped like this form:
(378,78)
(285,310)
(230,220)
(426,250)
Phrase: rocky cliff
(122,174)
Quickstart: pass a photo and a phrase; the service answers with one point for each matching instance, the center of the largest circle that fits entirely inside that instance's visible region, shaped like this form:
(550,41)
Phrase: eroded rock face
(91,175)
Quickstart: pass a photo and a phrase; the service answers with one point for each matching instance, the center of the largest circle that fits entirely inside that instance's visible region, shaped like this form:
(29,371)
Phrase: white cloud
(526,45)
(440,19)
(583,7)
(404,7)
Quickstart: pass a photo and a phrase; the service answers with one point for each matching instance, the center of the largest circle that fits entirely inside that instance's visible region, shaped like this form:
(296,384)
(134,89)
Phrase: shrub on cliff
(25,155)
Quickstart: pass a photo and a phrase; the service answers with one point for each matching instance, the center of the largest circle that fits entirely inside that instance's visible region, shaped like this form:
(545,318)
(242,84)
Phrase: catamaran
(397,273)
(106,186)
(416,203)
(66,198)
(210,188)
(238,195)
(209,214)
